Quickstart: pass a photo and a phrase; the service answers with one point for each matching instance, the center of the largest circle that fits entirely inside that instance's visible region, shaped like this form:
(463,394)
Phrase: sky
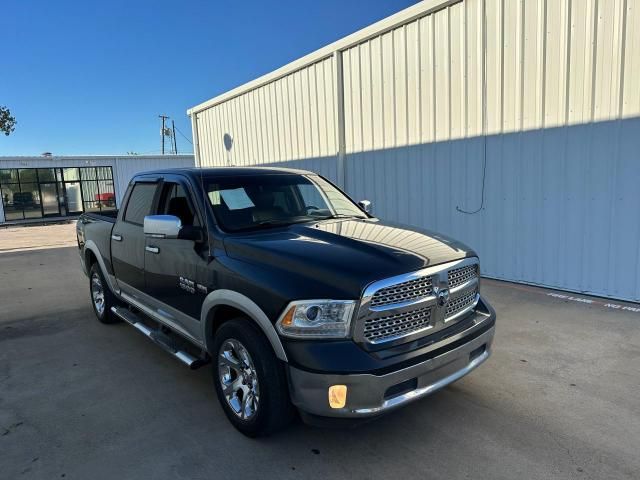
(91,77)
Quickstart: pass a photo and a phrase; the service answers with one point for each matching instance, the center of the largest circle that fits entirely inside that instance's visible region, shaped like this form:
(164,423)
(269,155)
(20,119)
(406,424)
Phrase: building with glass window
(36,188)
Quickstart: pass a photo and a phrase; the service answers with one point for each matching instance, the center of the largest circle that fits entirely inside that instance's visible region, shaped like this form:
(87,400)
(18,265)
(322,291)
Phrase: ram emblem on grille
(442,296)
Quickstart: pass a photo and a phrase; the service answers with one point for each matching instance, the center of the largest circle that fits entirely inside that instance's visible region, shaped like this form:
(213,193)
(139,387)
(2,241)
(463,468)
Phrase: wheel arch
(91,251)
(221,305)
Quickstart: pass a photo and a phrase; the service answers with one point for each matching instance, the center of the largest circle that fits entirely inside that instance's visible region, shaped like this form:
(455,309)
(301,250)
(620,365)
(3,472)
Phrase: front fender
(243,303)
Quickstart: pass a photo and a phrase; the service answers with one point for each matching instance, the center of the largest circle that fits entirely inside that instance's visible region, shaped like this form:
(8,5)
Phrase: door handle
(116,237)
(152,249)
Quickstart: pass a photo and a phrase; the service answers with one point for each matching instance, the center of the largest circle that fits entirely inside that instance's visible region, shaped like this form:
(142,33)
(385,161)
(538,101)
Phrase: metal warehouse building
(45,187)
(512,125)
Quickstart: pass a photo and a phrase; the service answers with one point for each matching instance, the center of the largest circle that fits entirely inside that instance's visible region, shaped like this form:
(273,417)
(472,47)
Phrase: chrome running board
(159,338)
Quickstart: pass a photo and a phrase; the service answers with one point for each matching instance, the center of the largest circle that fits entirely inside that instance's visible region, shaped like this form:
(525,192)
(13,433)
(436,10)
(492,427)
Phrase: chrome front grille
(403,292)
(459,303)
(384,329)
(417,303)
(461,275)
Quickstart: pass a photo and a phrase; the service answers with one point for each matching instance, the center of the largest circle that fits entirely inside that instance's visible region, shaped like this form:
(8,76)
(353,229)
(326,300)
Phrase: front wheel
(101,297)
(249,380)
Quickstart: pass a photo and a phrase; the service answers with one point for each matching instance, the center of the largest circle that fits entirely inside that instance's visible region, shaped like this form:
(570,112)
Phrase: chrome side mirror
(365,205)
(162,226)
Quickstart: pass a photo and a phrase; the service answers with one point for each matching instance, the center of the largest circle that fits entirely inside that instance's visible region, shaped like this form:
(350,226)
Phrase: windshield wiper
(339,215)
(278,223)
(284,223)
(269,223)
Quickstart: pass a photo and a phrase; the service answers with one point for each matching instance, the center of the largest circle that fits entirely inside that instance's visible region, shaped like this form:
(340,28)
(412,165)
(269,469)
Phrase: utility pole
(175,144)
(162,131)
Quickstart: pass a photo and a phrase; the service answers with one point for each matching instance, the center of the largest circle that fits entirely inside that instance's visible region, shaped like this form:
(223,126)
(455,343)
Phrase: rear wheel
(249,380)
(101,297)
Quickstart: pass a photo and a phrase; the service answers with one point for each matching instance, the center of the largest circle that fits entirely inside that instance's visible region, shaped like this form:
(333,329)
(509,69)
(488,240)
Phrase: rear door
(175,269)
(128,241)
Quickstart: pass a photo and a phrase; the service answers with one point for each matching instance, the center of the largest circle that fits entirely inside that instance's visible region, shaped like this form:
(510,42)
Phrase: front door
(175,269)
(72,194)
(128,241)
(49,199)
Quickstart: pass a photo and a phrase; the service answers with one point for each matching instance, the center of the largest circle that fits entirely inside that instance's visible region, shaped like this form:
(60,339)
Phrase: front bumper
(369,394)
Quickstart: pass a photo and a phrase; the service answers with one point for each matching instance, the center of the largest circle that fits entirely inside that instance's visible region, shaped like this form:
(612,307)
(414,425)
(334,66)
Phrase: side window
(176,202)
(140,202)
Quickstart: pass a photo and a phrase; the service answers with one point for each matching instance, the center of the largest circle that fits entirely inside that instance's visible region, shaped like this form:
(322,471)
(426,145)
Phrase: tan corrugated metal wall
(291,118)
(541,95)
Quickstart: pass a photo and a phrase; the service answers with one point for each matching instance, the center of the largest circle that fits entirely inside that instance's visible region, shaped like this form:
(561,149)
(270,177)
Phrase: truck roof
(227,171)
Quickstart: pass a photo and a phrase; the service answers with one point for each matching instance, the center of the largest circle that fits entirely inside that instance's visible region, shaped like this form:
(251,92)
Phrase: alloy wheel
(238,379)
(97,293)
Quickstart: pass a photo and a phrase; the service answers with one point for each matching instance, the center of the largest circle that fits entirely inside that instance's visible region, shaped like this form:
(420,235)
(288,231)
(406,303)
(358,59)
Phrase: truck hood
(347,254)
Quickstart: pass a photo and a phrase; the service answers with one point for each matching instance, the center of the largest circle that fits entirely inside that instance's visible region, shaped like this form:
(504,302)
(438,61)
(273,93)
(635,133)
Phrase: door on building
(72,197)
(50,199)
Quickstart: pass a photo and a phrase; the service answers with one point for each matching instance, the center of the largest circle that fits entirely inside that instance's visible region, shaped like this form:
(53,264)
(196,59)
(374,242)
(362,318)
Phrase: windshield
(264,201)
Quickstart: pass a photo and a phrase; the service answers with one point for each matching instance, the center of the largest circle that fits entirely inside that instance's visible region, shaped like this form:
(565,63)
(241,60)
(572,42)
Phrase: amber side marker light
(287,320)
(337,396)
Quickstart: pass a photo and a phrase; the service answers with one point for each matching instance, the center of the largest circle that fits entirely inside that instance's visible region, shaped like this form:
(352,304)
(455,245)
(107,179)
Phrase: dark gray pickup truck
(299,297)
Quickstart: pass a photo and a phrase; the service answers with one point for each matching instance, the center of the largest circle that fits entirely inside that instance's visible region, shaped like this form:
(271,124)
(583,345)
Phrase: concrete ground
(37,237)
(558,399)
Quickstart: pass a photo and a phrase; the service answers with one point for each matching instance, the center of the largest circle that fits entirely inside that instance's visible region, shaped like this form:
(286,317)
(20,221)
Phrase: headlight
(316,319)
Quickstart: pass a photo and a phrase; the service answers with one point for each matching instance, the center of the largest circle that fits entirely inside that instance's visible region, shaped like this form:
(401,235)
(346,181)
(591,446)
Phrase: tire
(262,385)
(102,299)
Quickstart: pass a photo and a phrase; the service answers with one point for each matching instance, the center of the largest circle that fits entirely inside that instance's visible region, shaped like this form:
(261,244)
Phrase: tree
(7,122)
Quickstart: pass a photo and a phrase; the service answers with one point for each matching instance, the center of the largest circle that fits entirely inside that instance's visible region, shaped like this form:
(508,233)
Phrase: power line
(185,137)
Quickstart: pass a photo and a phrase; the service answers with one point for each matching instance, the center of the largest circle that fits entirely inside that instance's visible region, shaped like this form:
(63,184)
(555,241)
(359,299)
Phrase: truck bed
(108,216)
(95,228)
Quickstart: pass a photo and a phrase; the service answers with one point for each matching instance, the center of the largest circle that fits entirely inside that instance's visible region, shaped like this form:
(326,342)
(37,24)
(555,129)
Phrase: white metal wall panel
(542,95)
(562,137)
(291,119)
(126,167)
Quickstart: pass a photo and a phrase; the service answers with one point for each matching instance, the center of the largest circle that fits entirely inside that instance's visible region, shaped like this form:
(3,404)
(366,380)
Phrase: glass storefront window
(70,174)
(28,175)
(11,212)
(33,193)
(28,200)
(89,191)
(46,175)
(9,175)
(107,196)
(104,173)
(87,173)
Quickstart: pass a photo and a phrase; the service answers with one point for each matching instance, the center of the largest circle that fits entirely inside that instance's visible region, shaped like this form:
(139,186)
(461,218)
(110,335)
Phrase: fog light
(337,396)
